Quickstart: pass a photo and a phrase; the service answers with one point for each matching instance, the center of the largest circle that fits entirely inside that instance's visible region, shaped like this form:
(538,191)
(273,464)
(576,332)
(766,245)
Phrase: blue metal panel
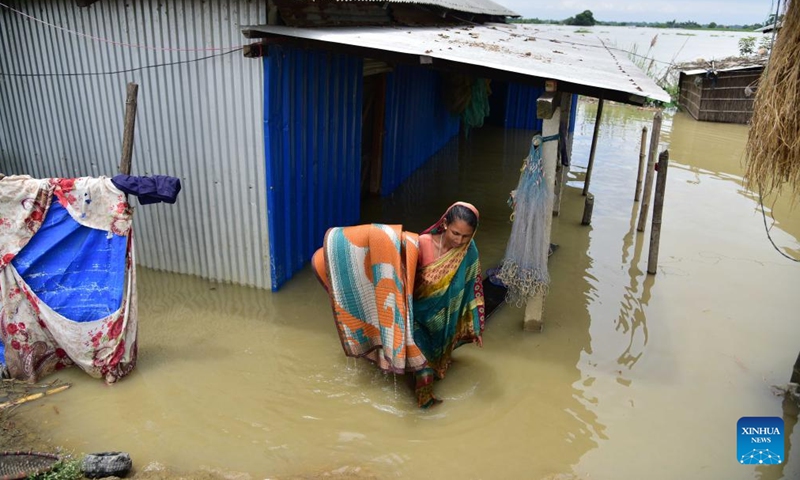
(573,112)
(521,107)
(417,123)
(312,135)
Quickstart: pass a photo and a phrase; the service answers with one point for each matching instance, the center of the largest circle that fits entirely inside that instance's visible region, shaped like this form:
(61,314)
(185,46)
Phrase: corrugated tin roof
(584,63)
(769,28)
(486,7)
(697,71)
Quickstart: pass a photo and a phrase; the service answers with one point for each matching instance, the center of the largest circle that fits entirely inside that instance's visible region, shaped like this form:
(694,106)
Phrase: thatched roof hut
(719,94)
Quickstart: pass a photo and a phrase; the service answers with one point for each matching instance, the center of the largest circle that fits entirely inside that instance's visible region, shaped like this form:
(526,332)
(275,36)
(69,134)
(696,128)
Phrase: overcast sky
(727,12)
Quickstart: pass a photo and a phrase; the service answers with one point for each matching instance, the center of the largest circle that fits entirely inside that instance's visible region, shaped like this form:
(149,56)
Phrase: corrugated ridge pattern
(199,121)
(312,135)
(521,107)
(417,123)
(486,7)
(573,112)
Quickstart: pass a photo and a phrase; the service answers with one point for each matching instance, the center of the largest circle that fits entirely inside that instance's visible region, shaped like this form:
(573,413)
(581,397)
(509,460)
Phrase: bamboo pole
(648,178)
(559,187)
(658,208)
(130,125)
(594,147)
(642,150)
(32,397)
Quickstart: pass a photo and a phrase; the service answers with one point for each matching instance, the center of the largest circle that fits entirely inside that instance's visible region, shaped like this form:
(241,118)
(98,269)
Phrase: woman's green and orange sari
(369,273)
(448,312)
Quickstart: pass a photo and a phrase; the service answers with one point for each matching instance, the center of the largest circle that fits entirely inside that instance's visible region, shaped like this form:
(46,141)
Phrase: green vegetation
(747,46)
(648,65)
(586,18)
(582,30)
(63,470)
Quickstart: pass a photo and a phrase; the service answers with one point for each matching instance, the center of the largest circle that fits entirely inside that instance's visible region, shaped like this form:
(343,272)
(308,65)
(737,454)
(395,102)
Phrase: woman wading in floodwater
(405,301)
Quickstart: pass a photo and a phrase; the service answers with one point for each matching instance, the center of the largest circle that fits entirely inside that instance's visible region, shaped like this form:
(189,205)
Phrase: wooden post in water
(563,138)
(642,150)
(594,147)
(588,207)
(550,112)
(648,177)
(658,207)
(130,125)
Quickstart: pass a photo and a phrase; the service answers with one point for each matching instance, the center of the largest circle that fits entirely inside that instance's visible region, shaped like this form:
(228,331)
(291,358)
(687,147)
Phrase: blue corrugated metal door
(312,135)
(521,107)
(417,123)
(573,112)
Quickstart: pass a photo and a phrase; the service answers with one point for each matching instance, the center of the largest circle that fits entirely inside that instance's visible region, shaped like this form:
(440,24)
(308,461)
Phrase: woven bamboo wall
(720,98)
(690,95)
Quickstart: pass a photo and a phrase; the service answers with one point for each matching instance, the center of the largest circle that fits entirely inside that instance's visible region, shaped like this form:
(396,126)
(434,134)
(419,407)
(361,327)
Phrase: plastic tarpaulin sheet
(78,271)
(67,277)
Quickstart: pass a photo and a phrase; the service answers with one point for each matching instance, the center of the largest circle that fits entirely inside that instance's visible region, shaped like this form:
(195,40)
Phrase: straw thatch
(773,145)
(726,63)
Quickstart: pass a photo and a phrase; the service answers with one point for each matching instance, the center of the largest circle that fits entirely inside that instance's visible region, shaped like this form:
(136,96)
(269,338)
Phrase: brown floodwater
(635,376)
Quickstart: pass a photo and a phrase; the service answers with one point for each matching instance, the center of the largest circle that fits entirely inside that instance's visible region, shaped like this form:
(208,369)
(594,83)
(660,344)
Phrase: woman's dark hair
(460,212)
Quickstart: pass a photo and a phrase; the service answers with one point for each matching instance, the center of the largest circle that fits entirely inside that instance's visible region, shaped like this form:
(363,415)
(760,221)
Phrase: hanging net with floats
(524,267)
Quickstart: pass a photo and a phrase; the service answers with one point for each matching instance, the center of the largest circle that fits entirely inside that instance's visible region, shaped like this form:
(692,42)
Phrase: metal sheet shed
(513,52)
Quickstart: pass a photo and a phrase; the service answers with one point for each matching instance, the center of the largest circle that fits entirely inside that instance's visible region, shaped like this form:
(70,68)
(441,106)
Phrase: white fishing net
(524,267)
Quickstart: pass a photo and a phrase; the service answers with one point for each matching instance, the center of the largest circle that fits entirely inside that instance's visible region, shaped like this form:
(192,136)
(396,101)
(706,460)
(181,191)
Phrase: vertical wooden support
(534,308)
(588,207)
(130,125)
(642,150)
(658,208)
(561,179)
(563,138)
(596,133)
(648,177)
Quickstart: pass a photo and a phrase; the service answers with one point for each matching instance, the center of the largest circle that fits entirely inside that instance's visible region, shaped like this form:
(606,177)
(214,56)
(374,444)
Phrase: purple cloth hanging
(158,188)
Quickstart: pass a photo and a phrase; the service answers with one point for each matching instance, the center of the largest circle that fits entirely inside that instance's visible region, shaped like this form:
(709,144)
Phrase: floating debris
(15,392)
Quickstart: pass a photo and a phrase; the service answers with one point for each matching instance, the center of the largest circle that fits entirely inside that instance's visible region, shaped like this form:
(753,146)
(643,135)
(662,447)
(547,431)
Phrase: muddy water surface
(634,376)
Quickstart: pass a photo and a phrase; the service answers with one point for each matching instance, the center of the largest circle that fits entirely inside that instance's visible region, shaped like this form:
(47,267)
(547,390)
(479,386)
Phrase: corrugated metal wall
(312,129)
(521,107)
(199,121)
(573,112)
(417,123)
